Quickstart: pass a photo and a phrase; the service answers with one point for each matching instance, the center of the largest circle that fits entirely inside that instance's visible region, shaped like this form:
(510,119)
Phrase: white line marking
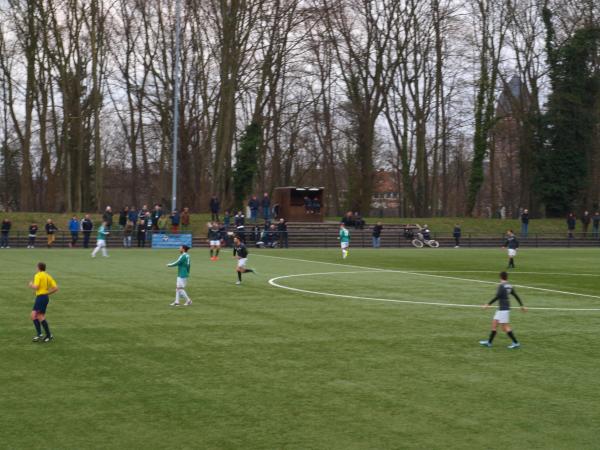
(423,274)
(273,282)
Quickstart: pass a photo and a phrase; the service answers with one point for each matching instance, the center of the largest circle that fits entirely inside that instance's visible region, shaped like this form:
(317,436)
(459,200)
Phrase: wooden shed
(299,204)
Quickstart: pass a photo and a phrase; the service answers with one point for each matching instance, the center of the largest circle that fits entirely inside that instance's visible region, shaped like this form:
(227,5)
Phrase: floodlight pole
(176,74)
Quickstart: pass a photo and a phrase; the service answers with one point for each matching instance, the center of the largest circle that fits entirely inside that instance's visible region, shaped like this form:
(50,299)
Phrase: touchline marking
(273,282)
(423,274)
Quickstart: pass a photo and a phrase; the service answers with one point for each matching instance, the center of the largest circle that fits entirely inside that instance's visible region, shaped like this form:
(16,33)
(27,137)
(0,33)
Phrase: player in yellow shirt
(44,286)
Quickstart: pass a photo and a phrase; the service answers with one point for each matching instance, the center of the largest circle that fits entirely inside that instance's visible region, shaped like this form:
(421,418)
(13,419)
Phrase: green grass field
(262,367)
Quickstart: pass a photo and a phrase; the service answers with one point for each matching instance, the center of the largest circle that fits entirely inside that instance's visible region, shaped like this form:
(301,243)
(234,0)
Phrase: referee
(44,286)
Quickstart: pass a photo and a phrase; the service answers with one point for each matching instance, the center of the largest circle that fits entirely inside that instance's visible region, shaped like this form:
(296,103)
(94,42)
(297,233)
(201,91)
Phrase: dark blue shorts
(41,303)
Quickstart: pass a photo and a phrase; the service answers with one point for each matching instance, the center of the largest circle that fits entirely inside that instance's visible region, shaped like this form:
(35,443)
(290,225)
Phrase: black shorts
(41,303)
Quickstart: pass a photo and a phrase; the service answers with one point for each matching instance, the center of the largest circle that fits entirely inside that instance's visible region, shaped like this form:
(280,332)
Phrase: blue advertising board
(160,240)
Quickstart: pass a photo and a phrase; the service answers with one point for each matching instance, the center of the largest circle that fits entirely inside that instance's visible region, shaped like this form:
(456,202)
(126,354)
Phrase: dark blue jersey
(511,242)
(240,250)
(214,234)
(502,294)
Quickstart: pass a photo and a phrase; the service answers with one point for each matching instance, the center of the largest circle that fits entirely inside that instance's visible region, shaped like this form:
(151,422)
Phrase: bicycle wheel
(434,244)
(417,243)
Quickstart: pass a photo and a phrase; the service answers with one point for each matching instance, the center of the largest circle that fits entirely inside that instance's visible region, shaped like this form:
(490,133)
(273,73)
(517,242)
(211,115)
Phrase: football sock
(217,252)
(177,294)
(492,336)
(239,276)
(38,328)
(512,336)
(184,294)
(46,327)
(211,252)
(511,263)
(249,270)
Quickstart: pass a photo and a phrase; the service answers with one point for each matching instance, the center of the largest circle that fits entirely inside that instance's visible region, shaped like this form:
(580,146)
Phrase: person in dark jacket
(108,217)
(175,220)
(87,226)
(33,229)
(377,235)
(586,219)
(123,217)
(457,233)
(266,206)
(571,223)
(348,220)
(51,229)
(132,215)
(215,207)
(141,232)
(227,219)
(512,244)
(524,223)
(239,219)
(595,224)
(282,232)
(6,224)
(253,205)
(155,216)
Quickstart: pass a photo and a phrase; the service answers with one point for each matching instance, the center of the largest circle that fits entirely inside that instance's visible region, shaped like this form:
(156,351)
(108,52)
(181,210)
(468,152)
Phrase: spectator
(426,233)
(223,236)
(148,220)
(157,212)
(123,214)
(132,216)
(33,229)
(307,205)
(108,217)
(585,222)
(240,231)
(127,232)
(6,224)
(316,205)
(255,233)
(51,229)
(253,205)
(163,223)
(595,224)
(226,220)
(175,220)
(185,219)
(571,222)
(87,226)
(215,207)
(266,206)
(524,223)
(377,235)
(74,229)
(457,233)
(142,213)
(283,232)
(141,232)
(239,220)
(359,223)
(348,219)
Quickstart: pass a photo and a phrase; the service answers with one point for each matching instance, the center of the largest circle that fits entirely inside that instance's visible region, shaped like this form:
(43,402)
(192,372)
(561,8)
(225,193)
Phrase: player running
(344,240)
(502,314)
(44,286)
(512,244)
(183,272)
(241,253)
(101,240)
(214,240)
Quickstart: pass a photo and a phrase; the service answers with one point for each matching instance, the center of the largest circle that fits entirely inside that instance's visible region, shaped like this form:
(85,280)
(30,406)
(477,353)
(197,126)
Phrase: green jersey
(183,265)
(344,235)
(102,233)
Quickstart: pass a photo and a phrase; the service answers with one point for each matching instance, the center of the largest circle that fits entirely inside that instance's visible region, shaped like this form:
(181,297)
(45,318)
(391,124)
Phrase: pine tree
(246,164)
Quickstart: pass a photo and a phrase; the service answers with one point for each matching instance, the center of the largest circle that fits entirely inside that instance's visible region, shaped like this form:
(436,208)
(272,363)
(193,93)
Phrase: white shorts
(344,244)
(512,252)
(181,282)
(502,316)
(215,243)
(100,243)
(242,262)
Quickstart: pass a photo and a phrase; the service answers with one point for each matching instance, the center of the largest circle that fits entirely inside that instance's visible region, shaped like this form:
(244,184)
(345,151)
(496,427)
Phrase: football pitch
(377,351)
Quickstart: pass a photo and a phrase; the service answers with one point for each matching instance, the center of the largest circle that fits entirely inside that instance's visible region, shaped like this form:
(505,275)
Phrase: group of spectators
(586,219)
(255,206)
(353,220)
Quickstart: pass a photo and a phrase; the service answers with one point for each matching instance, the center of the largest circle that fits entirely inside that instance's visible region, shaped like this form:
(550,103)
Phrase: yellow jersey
(44,283)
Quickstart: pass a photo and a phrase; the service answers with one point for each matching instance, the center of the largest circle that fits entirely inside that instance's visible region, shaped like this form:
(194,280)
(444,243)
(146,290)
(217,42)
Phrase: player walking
(101,240)
(183,273)
(44,286)
(344,240)
(502,314)
(512,244)
(214,240)
(241,253)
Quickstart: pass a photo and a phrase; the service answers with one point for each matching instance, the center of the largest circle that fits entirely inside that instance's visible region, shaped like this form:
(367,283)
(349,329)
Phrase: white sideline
(273,282)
